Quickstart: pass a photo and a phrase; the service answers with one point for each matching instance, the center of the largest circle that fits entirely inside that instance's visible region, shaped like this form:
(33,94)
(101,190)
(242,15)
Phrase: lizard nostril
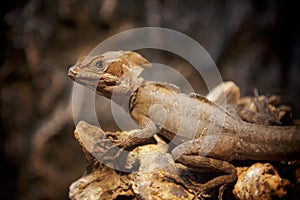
(73,71)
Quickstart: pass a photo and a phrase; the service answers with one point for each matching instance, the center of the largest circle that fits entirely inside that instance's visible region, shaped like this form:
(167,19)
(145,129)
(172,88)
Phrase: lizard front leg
(191,154)
(139,136)
(134,138)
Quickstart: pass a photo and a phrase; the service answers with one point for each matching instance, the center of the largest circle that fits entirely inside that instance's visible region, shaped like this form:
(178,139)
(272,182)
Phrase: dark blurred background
(254,43)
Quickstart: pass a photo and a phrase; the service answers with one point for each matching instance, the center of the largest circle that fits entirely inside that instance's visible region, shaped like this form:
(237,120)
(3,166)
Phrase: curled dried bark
(260,181)
(156,176)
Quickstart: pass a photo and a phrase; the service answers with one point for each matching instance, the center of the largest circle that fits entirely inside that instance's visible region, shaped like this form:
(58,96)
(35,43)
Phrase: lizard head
(112,72)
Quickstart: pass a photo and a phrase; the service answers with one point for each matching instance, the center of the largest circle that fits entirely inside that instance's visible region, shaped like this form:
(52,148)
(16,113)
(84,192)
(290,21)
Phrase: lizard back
(177,114)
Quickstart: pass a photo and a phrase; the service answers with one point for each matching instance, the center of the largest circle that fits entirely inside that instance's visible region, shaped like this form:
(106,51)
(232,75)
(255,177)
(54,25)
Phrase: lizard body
(161,108)
(244,140)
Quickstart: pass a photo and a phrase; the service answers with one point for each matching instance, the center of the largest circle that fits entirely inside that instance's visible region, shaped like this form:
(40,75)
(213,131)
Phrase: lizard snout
(73,71)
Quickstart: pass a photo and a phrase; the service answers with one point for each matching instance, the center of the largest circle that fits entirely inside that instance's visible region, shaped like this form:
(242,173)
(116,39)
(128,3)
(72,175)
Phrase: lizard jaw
(106,84)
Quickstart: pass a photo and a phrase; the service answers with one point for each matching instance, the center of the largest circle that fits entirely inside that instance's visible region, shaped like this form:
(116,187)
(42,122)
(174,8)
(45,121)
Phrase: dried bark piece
(103,183)
(263,110)
(260,181)
(157,176)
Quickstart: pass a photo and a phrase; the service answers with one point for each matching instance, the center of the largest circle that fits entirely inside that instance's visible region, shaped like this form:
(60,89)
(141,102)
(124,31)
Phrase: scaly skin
(187,120)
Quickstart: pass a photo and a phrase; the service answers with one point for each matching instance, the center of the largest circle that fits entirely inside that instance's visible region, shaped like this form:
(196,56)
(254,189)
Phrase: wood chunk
(157,176)
(260,181)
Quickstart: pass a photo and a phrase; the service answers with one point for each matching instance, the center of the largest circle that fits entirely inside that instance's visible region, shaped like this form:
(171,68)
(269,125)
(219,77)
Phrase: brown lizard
(161,108)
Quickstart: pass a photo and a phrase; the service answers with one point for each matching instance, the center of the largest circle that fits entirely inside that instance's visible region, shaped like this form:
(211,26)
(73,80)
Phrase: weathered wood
(157,176)
(260,181)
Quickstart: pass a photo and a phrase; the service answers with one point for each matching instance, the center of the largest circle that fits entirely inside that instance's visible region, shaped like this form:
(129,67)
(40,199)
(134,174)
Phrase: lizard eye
(100,64)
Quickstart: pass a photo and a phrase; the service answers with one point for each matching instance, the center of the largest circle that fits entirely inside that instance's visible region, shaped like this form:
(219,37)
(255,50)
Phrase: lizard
(161,108)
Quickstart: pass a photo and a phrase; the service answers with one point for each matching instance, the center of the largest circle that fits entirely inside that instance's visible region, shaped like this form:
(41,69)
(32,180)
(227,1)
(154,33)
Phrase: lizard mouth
(82,76)
(92,80)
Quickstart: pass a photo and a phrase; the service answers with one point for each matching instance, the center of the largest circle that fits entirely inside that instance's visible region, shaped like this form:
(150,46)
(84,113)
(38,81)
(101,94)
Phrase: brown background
(254,43)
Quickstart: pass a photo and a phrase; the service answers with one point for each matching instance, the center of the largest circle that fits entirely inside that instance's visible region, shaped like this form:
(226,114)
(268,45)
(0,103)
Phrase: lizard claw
(115,157)
(198,189)
(111,151)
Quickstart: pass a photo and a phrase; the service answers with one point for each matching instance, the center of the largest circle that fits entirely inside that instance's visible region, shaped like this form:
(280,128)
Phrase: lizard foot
(115,157)
(112,151)
(195,188)
(204,190)
(203,194)
(116,147)
(107,148)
